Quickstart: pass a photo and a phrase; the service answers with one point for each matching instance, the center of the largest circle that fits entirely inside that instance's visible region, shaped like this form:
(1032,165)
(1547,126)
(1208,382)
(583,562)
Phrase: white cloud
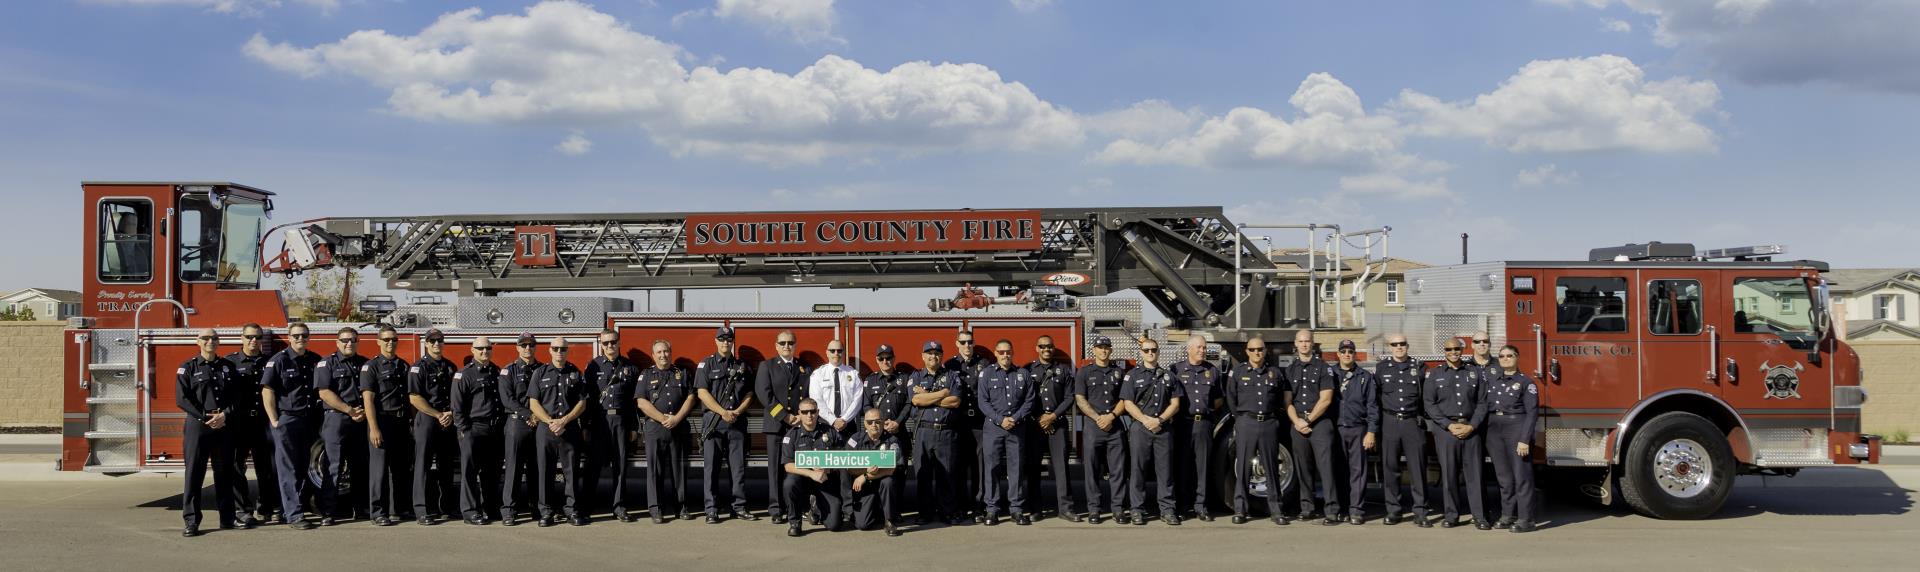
(1150,120)
(563,63)
(1030,5)
(1614,25)
(807,21)
(1395,186)
(248,7)
(1548,174)
(1599,103)
(1864,44)
(575,144)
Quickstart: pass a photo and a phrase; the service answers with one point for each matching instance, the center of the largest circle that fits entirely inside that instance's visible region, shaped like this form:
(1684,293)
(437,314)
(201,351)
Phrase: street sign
(884,459)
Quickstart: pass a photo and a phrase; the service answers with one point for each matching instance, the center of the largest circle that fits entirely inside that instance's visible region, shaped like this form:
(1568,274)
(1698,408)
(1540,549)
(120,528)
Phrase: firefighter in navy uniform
(343,432)
(1513,404)
(383,389)
(970,364)
(207,389)
(479,418)
(436,449)
(721,383)
(558,400)
(939,400)
(1358,421)
(1152,397)
(1403,431)
(251,436)
(779,386)
(1007,402)
(613,422)
(1256,390)
(1053,382)
(876,492)
(1103,452)
(886,389)
(664,395)
(1483,358)
(292,405)
(516,383)
(1193,427)
(1310,384)
(1452,400)
(804,485)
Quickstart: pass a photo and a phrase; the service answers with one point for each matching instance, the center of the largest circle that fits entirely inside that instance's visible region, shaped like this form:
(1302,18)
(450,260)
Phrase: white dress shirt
(820,388)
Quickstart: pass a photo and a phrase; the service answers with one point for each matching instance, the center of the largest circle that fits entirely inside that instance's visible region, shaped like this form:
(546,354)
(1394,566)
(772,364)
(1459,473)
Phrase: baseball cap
(885,350)
(932,346)
(1347,345)
(1102,341)
(724,333)
(526,339)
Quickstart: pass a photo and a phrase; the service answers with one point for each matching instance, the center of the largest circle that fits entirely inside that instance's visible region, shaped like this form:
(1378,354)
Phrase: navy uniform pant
(292,453)
(666,468)
(390,467)
(874,503)
(208,447)
(480,468)
(1403,437)
(725,448)
(799,490)
(1353,441)
(1053,446)
(1457,456)
(1313,455)
(436,457)
(1256,441)
(1103,463)
(610,453)
(776,475)
(1151,452)
(1193,445)
(1005,452)
(252,438)
(562,451)
(1504,433)
(937,463)
(346,444)
(976,461)
(518,450)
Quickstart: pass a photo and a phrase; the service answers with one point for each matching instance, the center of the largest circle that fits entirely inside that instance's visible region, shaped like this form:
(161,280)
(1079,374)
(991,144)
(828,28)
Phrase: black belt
(935,426)
(1202,417)
(1456,418)
(297,412)
(1404,415)
(1260,416)
(1505,413)
(488,419)
(401,414)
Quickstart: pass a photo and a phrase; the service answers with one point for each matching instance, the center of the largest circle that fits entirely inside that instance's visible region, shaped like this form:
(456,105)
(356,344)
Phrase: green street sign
(884,459)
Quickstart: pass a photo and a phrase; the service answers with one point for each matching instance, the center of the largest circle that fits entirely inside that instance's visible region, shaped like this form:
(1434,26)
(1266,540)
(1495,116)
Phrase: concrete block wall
(1892,371)
(30,376)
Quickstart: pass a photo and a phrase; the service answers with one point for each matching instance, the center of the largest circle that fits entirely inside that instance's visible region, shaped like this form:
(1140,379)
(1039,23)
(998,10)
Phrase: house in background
(1881,304)
(1336,303)
(46,303)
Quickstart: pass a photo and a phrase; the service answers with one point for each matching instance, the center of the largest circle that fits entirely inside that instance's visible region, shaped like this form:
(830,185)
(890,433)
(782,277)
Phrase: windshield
(240,243)
(1779,306)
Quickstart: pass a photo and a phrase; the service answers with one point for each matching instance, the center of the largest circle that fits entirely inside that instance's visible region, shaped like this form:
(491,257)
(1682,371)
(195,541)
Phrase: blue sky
(1543,128)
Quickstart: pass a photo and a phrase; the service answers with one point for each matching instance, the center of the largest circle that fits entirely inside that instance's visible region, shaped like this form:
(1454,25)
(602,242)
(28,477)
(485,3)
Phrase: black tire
(1686,439)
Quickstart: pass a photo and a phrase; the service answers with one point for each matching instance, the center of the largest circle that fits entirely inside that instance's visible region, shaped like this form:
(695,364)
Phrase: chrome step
(112,434)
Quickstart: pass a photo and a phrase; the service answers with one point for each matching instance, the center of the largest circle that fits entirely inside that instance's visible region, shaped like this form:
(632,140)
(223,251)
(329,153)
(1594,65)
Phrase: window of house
(1890,307)
(1591,304)
(1673,307)
(126,241)
(1329,290)
(1393,292)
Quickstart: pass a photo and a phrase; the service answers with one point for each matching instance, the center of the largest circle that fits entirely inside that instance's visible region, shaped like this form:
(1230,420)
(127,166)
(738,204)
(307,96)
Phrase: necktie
(836,393)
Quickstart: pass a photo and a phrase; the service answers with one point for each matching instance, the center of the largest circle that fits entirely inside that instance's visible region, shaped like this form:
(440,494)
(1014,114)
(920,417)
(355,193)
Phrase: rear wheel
(1260,484)
(1678,466)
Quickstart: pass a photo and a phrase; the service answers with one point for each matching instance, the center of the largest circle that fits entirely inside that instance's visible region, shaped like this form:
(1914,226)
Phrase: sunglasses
(349,340)
(835,351)
(1003,352)
(1479,341)
(870,421)
(559,350)
(251,336)
(1044,347)
(526,345)
(809,411)
(436,341)
(609,342)
(388,340)
(784,343)
(207,338)
(1149,350)
(1509,356)
(1398,344)
(297,336)
(1453,350)
(1257,348)
(1346,351)
(964,342)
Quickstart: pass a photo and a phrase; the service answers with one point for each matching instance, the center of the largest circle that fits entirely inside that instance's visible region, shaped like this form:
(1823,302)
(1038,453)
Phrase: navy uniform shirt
(1357,400)
(208,386)
(1399,383)
(476,394)
(667,389)
(798,438)
(1100,385)
(613,381)
(431,378)
(290,375)
(861,442)
(887,391)
(970,370)
(386,377)
(559,388)
(726,378)
(779,386)
(1513,394)
(1306,379)
(933,382)
(1151,389)
(248,368)
(1202,383)
(1256,390)
(1053,382)
(341,375)
(1454,395)
(1005,392)
(516,385)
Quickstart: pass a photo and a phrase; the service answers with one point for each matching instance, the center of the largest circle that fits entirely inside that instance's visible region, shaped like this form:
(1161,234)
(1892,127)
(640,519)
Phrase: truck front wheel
(1678,466)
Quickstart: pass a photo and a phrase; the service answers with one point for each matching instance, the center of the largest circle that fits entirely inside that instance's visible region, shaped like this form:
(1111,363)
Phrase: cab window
(126,241)
(1673,307)
(199,239)
(1781,307)
(1591,304)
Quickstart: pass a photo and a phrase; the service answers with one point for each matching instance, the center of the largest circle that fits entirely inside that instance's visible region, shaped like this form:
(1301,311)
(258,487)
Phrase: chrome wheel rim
(1682,468)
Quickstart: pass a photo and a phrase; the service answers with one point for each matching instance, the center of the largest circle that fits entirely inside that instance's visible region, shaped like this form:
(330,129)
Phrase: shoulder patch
(367,367)
(414,369)
(459,374)
(786,439)
(1535,389)
(323,362)
(269,363)
(703,365)
(851,441)
(181,371)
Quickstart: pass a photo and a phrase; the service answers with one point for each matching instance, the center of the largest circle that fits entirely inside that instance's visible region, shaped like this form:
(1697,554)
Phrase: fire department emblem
(1783,382)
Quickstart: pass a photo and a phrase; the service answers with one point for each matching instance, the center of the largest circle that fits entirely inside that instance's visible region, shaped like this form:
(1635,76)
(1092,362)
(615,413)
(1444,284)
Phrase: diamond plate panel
(537,312)
(1789,447)
(1576,447)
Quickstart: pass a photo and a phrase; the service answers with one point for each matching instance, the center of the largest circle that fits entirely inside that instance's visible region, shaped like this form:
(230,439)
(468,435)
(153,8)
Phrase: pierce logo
(1065,279)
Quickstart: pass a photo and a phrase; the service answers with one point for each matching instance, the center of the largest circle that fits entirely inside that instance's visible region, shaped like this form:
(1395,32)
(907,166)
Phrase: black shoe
(1521,527)
(1205,516)
(276,518)
(684,516)
(992,520)
(657,519)
(1239,519)
(1448,523)
(779,519)
(1390,520)
(579,520)
(1356,520)
(978,518)
(1122,518)
(426,521)
(545,521)
(1094,518)
(1171,519)
(1503,524)
(1309,515)
(1072,517)
(247,522)
(473,521)
(713,518)
(507,520)
(190,531)
(1279,521)
(302,524)
(891,531)
(624,516)
(1139,519)
(1422,522)
(327,521)
(1483,525)
(1022,519)
(794,529)
(742,516)
(956,520)
(1329,522)
(384,521)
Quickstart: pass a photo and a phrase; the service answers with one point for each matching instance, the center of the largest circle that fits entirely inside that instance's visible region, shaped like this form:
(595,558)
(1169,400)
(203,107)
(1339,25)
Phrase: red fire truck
(1669,374)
